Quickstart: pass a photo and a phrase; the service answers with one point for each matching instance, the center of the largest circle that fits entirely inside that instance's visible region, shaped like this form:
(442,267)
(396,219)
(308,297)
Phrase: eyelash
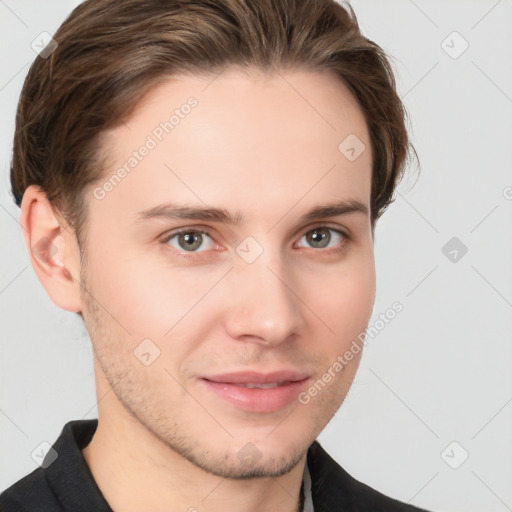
(192,256)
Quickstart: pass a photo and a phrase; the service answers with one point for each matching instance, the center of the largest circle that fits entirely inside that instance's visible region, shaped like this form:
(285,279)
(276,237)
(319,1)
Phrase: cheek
(345,301)
(150,298)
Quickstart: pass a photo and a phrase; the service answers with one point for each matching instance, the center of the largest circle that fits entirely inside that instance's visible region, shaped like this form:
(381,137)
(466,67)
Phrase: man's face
(174,316)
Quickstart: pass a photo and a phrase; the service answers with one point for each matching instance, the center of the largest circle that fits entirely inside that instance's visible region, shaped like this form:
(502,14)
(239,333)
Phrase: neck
(136,471)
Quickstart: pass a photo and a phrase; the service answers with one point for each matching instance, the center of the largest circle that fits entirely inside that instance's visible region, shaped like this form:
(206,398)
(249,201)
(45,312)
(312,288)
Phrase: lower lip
(255,399)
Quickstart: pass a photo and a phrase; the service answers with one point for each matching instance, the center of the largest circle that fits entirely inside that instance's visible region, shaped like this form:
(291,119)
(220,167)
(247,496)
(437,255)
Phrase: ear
(53,249)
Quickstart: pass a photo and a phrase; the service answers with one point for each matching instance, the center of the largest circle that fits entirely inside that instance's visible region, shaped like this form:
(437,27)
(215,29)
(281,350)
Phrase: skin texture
(266,147)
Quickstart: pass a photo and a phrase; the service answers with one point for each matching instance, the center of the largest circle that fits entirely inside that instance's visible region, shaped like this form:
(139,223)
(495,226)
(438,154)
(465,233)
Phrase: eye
(324,237)
(190,241)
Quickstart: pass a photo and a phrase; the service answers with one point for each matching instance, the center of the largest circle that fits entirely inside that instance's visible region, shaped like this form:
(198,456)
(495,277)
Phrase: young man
(200,181)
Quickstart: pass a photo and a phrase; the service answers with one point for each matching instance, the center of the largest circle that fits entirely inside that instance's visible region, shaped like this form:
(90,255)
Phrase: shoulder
(62,482)
(30,493)
(335,489)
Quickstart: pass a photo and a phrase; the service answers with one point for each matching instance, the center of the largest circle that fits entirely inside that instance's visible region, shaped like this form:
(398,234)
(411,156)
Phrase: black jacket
(68,485)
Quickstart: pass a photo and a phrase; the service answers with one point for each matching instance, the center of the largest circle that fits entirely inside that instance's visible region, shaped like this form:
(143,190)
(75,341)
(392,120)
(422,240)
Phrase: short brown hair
(110,53)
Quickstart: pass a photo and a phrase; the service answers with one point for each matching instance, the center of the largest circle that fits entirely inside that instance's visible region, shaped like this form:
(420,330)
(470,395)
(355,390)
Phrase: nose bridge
(263,305)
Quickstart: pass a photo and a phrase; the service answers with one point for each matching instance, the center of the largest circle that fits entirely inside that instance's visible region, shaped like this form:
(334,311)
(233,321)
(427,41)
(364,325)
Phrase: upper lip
(258,377)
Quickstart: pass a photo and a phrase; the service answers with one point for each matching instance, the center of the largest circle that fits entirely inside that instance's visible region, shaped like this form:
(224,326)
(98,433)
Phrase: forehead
(248,139)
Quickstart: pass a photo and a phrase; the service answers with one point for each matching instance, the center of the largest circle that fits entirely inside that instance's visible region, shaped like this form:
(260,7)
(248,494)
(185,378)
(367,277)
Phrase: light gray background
(440,371)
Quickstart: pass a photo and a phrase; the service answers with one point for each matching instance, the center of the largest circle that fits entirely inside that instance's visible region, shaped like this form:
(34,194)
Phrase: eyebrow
(173,211)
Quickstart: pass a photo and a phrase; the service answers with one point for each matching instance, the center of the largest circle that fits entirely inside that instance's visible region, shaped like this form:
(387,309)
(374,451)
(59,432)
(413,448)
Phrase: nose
(263,306)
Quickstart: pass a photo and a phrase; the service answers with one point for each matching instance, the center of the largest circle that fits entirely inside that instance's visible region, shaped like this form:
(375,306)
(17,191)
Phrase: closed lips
(252,379)
(253,385)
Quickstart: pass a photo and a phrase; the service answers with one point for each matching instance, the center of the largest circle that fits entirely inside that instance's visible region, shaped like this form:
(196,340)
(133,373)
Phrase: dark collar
(332,487)
(69,476)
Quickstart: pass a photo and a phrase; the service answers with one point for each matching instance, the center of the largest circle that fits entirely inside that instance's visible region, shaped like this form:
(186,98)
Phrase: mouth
(270,385)
(257,392)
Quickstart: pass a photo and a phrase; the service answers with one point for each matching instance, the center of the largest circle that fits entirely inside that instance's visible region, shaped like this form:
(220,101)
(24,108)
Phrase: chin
(249,462)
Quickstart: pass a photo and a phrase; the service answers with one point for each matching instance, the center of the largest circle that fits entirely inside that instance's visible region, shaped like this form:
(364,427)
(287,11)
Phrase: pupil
(319,237)
(192,241)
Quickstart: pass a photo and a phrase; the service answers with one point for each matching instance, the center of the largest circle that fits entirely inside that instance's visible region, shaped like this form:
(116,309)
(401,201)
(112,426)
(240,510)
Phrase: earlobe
(52,248)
